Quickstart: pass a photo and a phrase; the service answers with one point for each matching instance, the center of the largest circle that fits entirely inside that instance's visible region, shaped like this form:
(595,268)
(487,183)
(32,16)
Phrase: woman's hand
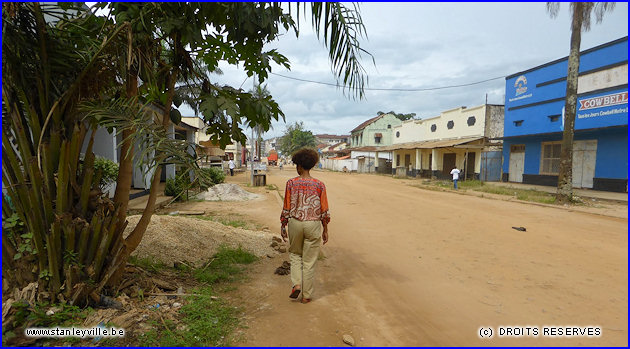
(283,233)
(325,234)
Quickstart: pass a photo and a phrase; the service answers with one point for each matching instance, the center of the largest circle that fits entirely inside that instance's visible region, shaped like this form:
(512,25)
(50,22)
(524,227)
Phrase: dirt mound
(175,239)
(227,192)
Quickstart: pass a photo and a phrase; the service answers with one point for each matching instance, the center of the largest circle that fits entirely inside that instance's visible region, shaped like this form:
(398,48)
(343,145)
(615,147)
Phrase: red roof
(365,123)
(341,157)
(331,136)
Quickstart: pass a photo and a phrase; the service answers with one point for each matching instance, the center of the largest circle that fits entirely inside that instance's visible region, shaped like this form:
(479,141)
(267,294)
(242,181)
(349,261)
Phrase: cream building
(459,137)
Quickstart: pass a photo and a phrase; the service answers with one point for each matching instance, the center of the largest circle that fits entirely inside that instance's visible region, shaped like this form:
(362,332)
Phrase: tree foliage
(67,72)
(296,137)
(401,116)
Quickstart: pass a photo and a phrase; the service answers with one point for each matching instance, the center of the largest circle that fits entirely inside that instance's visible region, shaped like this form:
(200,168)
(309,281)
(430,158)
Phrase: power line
(393,89)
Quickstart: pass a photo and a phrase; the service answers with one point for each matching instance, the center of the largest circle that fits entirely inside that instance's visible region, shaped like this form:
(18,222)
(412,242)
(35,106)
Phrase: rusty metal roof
(444,143)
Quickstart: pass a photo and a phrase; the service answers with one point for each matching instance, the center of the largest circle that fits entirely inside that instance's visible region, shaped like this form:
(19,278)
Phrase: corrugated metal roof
(431,144)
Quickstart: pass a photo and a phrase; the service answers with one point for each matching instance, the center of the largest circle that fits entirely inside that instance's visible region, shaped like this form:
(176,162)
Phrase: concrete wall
(408,131)
(460,124)
(495,117)
(337,165)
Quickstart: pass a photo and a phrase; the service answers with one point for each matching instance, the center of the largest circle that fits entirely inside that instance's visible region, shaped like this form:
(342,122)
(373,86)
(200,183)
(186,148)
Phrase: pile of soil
(172,239)
(227,192)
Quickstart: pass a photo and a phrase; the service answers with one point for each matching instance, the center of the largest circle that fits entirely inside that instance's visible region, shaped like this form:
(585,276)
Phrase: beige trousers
(305,239)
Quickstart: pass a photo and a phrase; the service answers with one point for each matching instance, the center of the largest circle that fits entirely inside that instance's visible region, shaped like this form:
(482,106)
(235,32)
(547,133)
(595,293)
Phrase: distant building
(331,139)
(374,132)
(367,138)
(534,121)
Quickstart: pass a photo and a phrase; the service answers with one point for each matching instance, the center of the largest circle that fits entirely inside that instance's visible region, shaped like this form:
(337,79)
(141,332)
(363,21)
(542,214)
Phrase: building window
(397,159)
(389,126)
(554,118)
(377,140)
(450,124)
(550,158)
(397,134)
(518,123)
(433,127)
(471,121)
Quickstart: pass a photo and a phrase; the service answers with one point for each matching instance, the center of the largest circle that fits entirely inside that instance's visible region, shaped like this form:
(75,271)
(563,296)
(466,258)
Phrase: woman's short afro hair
(305,157)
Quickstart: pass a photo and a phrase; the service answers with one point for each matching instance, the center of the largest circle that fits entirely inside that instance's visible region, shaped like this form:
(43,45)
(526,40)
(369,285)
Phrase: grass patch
(206,322)
(272,187)
(476,185)
(65,315)
(226,265)
(232,222)
(148,263)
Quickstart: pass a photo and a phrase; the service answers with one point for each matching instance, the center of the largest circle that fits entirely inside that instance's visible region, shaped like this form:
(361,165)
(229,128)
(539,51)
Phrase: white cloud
(418,45)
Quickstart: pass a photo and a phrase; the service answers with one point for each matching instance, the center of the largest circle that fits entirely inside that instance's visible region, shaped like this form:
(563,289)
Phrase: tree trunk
(565,175)
(125,171)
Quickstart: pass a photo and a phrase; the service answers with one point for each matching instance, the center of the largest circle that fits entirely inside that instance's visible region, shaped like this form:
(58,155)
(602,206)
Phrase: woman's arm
(286,212)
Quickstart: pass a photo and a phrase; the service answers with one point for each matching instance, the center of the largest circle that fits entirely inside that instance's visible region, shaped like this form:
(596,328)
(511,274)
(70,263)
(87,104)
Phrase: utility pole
(251,157)
(251,153)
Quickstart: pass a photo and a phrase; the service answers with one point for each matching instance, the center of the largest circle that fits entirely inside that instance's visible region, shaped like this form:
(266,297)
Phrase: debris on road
(519,228)
(284,269)
(348,340)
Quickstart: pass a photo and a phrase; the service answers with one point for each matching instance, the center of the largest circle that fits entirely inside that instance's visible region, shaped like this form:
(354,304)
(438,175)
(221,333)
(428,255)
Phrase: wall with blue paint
(524,90)
(611,158)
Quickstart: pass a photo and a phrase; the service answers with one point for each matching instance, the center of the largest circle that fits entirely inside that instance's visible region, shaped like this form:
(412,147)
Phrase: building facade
(534,121)
(461,137)
(331,139)
(374,132)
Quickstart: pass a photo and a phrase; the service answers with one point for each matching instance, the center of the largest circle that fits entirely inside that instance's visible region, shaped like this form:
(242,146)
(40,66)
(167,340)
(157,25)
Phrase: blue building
(534,109)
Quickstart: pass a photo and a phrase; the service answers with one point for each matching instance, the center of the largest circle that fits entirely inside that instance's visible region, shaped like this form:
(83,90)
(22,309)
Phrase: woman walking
(305,212)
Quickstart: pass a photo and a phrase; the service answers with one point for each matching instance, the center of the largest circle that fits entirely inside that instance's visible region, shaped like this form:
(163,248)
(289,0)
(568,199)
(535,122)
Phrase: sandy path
(408,266)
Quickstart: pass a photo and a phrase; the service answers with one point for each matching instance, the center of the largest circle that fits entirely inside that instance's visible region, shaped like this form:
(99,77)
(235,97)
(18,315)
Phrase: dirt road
(413,267)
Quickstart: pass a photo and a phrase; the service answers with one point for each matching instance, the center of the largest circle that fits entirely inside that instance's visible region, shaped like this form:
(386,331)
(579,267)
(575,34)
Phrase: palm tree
(580,20)
(62,79)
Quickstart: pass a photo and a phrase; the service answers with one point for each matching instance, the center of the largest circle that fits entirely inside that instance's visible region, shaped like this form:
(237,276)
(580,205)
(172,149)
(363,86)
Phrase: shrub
(216,174)
(108,169)
(177,186)
(211,176)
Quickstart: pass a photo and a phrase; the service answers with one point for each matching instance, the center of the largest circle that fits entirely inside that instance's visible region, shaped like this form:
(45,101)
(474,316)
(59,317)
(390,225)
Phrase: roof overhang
(445,143)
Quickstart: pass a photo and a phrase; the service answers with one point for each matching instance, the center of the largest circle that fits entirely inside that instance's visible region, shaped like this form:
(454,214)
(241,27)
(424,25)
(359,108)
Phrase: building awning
(431,144)
(379,135)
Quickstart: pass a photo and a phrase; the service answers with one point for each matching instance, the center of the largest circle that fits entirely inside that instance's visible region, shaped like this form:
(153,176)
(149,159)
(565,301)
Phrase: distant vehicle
(272,159)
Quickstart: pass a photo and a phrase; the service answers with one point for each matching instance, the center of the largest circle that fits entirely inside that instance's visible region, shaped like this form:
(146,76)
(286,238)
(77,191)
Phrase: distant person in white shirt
(231,165)
(455,173)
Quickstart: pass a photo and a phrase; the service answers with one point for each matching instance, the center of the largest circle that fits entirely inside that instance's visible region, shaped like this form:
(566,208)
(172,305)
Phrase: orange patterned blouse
(305,200)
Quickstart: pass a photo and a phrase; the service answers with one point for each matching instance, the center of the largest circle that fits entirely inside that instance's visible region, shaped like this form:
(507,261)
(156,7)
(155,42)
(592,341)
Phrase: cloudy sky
(424,45)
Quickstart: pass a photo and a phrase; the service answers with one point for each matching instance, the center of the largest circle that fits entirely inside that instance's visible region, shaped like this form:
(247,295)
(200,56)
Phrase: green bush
(217,174)
(108,169)
(211,176)
(177,186)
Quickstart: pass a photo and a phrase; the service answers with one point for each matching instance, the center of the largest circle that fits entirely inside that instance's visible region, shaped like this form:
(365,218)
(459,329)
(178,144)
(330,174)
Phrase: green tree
(402,117)
(580,21)
(67,71)
(296,137)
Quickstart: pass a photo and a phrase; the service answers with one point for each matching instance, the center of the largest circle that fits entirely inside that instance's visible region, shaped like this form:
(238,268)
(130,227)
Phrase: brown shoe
(306,300)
